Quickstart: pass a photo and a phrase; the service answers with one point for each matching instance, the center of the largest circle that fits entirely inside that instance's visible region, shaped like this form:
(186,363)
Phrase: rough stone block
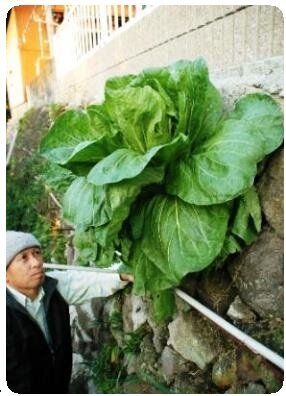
(133,313)
(194,338)
(239,311)
(172,364)
(258,275)
(271,192)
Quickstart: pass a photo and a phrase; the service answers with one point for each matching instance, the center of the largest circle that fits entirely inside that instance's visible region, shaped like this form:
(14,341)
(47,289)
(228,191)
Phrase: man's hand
(127,277)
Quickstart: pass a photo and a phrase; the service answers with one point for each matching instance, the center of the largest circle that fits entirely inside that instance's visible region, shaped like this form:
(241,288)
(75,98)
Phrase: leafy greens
(163,174)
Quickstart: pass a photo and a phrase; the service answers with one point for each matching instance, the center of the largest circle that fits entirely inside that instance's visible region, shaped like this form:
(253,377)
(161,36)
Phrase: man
(39,349)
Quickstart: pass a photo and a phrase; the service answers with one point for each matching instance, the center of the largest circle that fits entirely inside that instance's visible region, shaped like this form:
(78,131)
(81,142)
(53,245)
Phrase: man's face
(26,270)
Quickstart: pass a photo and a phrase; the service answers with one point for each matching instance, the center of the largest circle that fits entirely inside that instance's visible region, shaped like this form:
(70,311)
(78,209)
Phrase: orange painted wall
(29,40)
(14,76)
(23,51)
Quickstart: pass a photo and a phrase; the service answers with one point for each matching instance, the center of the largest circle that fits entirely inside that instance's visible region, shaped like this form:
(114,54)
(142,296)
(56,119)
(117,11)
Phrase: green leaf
(126,164)
(100,120)
(140,114)
(212,111)
(118,200)
(251,200)
(147,276)
(161,81)
(247,221)
(86,246)
(105,256)
(121,164)
(117,83)
(180,238)
(163,305)
(264,114)
(189,96)
(72,139)
(221,168)
(105,207)
(125,246)
(230,246)
(89,252)
(56,177)
(198,102)
(136,221)
(84,204)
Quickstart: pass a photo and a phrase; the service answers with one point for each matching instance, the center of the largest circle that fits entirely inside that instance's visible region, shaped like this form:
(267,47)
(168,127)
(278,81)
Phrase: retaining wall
(225,36)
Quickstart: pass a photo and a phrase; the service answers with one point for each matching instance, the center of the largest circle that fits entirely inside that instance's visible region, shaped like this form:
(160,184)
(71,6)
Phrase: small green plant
(116,321)
(27,203)
(131,343)
(150,379)
(55,109)
(106,371)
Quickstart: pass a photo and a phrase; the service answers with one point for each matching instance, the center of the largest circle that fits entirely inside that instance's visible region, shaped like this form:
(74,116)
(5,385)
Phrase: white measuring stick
(252,344)
(79,268)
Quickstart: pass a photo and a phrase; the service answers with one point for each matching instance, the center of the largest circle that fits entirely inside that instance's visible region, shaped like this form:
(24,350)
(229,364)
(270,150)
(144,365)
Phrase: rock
(271,192)
(265,76)
(140,387)
(113,316)
(80,375)
(195,382)
(215,289)
(145,365)
(133,313)
(91,388)
(253,368)
(131,363)
(85,325)
(181,305)
(160,335)
(172,364)
(240,369)
(194,338)
(270,332)
(113,304)
(160,330)
(224,370)
(184,384)
(189,283)
(238,311)
(258,275)
(148,357)
(251,388)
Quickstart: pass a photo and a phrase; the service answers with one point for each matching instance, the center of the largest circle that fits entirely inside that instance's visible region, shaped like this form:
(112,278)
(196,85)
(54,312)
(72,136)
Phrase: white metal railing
(87,27)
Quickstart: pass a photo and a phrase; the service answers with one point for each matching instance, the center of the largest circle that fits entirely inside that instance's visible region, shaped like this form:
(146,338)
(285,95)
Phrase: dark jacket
(34,366)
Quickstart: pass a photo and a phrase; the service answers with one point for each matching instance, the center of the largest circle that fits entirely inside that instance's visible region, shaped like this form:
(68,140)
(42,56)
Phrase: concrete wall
(225,36)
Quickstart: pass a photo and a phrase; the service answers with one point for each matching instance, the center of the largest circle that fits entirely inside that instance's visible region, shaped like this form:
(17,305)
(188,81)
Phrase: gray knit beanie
(16,242)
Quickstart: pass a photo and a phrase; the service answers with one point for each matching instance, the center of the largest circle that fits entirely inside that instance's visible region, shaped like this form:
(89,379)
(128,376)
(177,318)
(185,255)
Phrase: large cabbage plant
(164,175)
